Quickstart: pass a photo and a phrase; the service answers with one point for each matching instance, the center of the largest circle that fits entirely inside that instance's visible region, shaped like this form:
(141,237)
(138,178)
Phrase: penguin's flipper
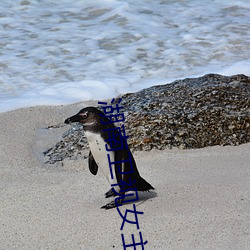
(110,193)
(93,167)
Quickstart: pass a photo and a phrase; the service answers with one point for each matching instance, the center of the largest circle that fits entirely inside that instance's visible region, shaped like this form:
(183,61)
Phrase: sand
(201,198)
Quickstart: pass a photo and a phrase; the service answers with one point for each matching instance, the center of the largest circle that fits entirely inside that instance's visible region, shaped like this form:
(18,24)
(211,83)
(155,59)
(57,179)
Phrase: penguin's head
(88,117)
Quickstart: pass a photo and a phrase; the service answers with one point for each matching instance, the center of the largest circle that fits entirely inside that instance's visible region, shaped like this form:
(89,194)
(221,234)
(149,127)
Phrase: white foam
(61,52)
(242,67)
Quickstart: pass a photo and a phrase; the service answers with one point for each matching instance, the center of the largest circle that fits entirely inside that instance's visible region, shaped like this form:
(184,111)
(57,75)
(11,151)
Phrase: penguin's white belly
(100,154)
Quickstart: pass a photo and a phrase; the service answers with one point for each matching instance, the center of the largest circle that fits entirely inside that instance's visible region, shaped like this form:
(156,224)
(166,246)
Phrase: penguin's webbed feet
(110,193)
(112,204)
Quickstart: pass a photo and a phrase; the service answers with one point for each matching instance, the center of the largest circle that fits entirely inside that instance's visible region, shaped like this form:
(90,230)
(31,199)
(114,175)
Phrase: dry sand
(201,201)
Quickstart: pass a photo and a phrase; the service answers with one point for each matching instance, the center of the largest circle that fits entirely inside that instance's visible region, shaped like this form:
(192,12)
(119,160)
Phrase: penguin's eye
(84,115)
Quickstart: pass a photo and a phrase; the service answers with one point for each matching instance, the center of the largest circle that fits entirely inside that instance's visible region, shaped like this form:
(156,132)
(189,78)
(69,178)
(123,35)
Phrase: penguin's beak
(74,118)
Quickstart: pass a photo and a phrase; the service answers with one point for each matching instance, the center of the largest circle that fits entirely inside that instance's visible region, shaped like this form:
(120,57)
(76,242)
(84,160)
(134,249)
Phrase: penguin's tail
(142,185)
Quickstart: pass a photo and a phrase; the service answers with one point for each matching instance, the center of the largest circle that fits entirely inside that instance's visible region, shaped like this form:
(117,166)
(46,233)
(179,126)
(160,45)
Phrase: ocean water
(61,52)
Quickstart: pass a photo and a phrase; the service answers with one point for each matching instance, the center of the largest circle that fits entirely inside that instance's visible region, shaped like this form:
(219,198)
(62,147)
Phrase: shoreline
(201,198)
(190,113)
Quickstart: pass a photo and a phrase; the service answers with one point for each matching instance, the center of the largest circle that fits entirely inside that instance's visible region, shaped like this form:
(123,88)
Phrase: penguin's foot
(110,193)
(109,205)
(112,204)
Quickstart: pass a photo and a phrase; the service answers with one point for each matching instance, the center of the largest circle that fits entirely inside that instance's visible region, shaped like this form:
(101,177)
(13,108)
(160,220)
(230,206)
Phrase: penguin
(96,126)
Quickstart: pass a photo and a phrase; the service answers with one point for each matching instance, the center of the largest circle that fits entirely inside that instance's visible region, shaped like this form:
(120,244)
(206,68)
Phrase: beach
(201,198)
(58,57)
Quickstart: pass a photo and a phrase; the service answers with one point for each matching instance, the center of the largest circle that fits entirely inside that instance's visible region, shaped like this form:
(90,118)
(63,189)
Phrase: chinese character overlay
(141,243)
(125,216)
(116,138)
(117,141)
(109,110)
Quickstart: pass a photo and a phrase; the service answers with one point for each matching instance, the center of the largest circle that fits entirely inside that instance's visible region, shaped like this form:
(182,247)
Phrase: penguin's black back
(138,182)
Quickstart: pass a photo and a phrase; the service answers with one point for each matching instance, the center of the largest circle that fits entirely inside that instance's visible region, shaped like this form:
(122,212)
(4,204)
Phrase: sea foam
(63,52)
